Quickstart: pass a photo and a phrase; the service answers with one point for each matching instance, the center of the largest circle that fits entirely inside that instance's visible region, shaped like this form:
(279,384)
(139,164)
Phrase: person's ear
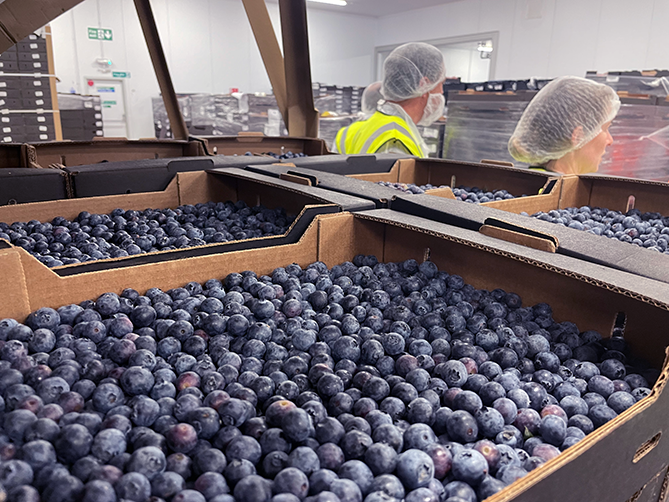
(577,136)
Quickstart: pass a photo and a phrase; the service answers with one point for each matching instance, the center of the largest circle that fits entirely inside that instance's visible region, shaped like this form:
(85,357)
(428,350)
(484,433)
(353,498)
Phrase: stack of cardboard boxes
(26,101)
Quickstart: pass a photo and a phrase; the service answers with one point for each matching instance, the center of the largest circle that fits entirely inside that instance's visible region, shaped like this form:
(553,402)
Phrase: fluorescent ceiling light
(340,3)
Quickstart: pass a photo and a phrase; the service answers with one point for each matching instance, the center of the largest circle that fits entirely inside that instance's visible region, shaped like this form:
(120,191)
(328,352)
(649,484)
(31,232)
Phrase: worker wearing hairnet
(565,128)
(411,94)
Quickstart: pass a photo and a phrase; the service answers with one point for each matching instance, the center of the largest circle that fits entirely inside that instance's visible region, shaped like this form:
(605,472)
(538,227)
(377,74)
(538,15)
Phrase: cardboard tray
(624,460)
(192,188)
(25,185)
(437,172)
(259,143)
(541,234)
(114,178)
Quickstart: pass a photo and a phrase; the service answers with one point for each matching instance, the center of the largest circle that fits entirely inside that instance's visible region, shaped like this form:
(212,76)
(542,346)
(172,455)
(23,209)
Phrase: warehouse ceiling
(378,8)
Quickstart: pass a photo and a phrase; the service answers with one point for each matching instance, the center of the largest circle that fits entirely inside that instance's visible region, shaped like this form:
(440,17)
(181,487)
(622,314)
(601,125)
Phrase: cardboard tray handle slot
(548,187)
(493,222)
(518,238)
(312,179)
(646,447)
(295,178)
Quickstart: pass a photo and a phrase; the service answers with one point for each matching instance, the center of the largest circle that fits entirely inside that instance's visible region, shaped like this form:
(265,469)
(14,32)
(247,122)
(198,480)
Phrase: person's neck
(413,107)
(565,165)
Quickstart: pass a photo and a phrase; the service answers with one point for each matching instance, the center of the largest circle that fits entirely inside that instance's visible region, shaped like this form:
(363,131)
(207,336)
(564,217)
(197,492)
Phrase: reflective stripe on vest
(368,136)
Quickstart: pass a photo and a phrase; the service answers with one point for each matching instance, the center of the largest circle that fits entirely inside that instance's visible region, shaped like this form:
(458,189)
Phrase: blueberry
(167,484)
(414,468)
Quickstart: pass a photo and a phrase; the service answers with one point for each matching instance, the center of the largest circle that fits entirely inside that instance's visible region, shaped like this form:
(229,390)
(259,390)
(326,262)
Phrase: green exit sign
(121,74)
(104,34)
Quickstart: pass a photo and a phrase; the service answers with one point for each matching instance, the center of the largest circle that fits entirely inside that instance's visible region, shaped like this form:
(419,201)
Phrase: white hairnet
(564,116)
(411,70)
(370,98)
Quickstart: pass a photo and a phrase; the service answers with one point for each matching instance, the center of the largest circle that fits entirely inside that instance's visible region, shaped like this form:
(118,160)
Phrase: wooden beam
(150,29)
(270,51)
(302,116)
(20,18)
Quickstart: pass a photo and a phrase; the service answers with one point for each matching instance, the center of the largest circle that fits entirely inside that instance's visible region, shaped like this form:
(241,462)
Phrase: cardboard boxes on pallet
(625,459)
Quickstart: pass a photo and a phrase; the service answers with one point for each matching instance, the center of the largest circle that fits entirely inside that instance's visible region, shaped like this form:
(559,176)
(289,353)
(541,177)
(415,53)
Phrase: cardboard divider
(573,288)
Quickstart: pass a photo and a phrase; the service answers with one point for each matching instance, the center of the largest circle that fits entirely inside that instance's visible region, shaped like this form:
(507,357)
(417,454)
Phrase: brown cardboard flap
(20,18)
(15,301)
(518,238)
(294,178)
(446,193)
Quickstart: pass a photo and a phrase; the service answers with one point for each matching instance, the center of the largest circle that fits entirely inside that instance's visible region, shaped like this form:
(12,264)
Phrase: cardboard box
(10,55)
(33,56)
(375,168)
(543,235)
(9,66)
(25,185)
(220,185)
(487,177)
(33,66)
(258,143)
(423,171)
(626,458)
(10,94)
(71,153)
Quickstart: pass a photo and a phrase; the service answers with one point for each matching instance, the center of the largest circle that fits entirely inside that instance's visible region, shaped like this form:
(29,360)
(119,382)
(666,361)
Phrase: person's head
(413,75)
(566,126)
(370,98)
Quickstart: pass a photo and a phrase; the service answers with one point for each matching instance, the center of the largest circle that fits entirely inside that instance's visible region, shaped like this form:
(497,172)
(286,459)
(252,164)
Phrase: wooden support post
(148,22)
(302,116)
(270,51)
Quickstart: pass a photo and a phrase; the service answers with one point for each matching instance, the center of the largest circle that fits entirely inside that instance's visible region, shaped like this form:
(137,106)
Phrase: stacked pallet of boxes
(28,109)
(81,117)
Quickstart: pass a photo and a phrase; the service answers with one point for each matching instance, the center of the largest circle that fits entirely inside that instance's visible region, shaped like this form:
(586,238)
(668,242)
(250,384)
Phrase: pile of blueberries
(280,156)
(123,233)
(472,195)
(648,230)
(366,381)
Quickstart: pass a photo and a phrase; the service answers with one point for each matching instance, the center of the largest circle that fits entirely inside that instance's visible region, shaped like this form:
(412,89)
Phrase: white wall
(546,38)
(209,46)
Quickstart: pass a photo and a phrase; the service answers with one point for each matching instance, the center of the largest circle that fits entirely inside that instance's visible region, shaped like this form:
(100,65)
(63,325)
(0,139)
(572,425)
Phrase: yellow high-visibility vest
(368,136)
